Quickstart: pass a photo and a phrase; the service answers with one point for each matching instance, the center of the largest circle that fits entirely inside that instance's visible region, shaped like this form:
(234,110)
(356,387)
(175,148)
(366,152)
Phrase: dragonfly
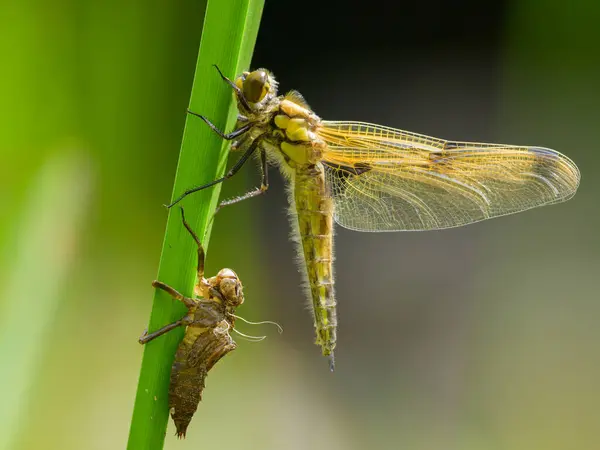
(210,317)
(375,178)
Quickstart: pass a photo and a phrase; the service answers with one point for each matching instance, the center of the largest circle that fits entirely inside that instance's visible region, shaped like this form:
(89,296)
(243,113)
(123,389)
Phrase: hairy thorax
(288,132)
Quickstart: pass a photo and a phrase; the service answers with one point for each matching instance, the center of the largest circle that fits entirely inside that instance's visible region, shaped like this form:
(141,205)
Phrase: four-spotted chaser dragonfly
(374,178)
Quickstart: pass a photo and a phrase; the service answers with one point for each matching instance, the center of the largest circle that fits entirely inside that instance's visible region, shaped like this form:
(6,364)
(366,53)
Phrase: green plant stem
(228,37)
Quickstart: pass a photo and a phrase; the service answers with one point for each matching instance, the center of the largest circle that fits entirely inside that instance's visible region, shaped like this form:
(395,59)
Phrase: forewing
(382,179)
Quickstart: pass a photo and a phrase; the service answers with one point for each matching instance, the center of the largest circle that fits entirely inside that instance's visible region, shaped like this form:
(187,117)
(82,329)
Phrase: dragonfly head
(230,287)
(258,87)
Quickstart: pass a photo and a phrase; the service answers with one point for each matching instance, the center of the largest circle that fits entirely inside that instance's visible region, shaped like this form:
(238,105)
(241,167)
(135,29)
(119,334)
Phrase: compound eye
(256,86)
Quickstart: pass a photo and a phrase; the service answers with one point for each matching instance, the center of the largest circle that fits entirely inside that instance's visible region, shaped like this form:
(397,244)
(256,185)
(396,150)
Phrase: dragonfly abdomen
(185,389)
(197,353)
(314,209)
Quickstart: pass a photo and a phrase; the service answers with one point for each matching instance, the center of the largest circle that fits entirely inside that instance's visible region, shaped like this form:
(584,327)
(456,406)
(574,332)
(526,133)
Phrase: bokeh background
(482,337)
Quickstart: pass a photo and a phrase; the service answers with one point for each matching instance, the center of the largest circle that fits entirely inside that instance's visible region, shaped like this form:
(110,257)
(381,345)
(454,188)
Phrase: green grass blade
(228,37)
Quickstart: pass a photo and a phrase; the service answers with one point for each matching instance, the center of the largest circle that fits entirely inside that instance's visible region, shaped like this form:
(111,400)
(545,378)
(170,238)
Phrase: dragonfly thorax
(283,126)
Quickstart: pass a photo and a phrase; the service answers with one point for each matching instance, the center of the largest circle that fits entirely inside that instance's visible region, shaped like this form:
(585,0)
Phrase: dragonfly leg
(264,185)
(229,136)
(189,302)
(200,265)
(145,337)
(237,166)
(237,90)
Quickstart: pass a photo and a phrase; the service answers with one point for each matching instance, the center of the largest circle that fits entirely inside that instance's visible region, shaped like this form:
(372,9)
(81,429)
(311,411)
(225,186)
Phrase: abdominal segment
(196,355)
(315,222)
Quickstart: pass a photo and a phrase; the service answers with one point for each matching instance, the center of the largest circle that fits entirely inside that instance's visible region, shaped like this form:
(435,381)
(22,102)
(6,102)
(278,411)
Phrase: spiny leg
(173,293)
(236,167)
(200,266)
(145,338)
(237,90)
(176,294)
(229,136)
(242,143)
(264,185)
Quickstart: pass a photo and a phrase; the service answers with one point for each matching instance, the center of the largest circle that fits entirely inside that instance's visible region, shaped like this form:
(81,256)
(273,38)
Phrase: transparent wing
(382,179)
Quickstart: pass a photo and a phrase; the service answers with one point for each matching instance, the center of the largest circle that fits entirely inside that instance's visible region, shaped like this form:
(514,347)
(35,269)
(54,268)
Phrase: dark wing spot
(451,145)
(339,175)
(347,171)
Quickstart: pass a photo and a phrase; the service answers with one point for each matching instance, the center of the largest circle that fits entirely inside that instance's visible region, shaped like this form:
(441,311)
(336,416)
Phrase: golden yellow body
(370,177)
(291,142)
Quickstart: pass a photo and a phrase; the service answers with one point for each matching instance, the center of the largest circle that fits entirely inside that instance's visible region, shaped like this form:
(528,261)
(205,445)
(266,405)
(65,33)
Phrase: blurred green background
(483,337)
